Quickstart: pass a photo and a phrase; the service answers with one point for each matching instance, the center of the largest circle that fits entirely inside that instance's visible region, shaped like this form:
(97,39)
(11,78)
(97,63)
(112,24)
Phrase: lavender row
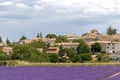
(59,73)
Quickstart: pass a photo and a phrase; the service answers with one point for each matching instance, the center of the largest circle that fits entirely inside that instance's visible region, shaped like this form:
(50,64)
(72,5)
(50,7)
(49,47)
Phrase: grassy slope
(24,63)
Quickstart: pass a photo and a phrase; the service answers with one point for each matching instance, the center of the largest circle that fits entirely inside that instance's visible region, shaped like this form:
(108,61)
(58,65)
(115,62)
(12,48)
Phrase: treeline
(30,52)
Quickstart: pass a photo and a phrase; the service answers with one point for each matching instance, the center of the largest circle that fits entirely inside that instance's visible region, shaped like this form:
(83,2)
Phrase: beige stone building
(36,39)
(70,38)
(108,46)
(68,44)
(7,50)
(53,50)
(93,35)
(50,41)
(27,41)
(2,44)
(40,49)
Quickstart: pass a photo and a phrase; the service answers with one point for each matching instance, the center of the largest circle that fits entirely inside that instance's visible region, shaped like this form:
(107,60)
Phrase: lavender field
(60,73)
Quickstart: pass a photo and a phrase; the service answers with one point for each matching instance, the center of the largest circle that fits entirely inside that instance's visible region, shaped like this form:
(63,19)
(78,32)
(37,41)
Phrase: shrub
(76,58)
(53,58)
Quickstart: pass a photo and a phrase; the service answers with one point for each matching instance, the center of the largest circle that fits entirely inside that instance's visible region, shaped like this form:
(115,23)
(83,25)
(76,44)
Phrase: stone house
(68,44)
(93,35)
(27,41)
(108,46)
(7,50)
(53,50)
(70,38)
(50,41)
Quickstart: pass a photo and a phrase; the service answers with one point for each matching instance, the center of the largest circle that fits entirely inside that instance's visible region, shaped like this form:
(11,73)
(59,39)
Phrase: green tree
(8,41)
(60,39)
(28,53)
(81,43)
(96,47)
(103,57)
(111,31)
(76,58)
(70,52)
(86,57)
(38,35)
(4,56)
(84,48)
(48,45)
(39,44)
(23,37)
(51,36)
(79,40)
(1,40)
(99,57)
(54,58)
(61,52)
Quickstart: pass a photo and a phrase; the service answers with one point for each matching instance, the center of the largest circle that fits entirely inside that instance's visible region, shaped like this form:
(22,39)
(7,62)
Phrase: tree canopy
(61,39)
(54,58)
(86,57)
(0,40)
(85,49)
(82,47)
(29,53)
(111,31)
(76,58)
(23,37)
(8,41)
(96,47)
(51,36)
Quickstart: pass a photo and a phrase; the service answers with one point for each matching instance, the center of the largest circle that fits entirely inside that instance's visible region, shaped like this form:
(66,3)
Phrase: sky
(61,17)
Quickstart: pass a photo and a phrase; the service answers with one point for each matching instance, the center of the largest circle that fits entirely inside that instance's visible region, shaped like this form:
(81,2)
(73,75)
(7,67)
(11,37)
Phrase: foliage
(27,52)
(23,37)
(103,52)
(39,44)
(99,57)
(86,57)
(54,58)
(51,36)
(62,59)
(81,43)
(48,45)
(76,58)
(85,49)
(61,52)
(96,47)
(1,40)
(70,53)
(4,56)
(111,31)
(79,40)
(61,39)
(38,35)
(8,41)
(103,57)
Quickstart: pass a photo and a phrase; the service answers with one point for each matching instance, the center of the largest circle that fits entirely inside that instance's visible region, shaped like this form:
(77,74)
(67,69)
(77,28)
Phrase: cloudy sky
(28,17)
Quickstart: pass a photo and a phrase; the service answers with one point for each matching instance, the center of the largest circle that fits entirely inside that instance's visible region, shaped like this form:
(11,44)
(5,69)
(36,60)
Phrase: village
(109,43)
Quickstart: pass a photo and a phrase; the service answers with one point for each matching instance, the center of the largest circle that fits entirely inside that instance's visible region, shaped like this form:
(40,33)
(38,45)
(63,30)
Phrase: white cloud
(96,11)
(7,3)
(4,13)
(22,5)
(99,7)
(37,7)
